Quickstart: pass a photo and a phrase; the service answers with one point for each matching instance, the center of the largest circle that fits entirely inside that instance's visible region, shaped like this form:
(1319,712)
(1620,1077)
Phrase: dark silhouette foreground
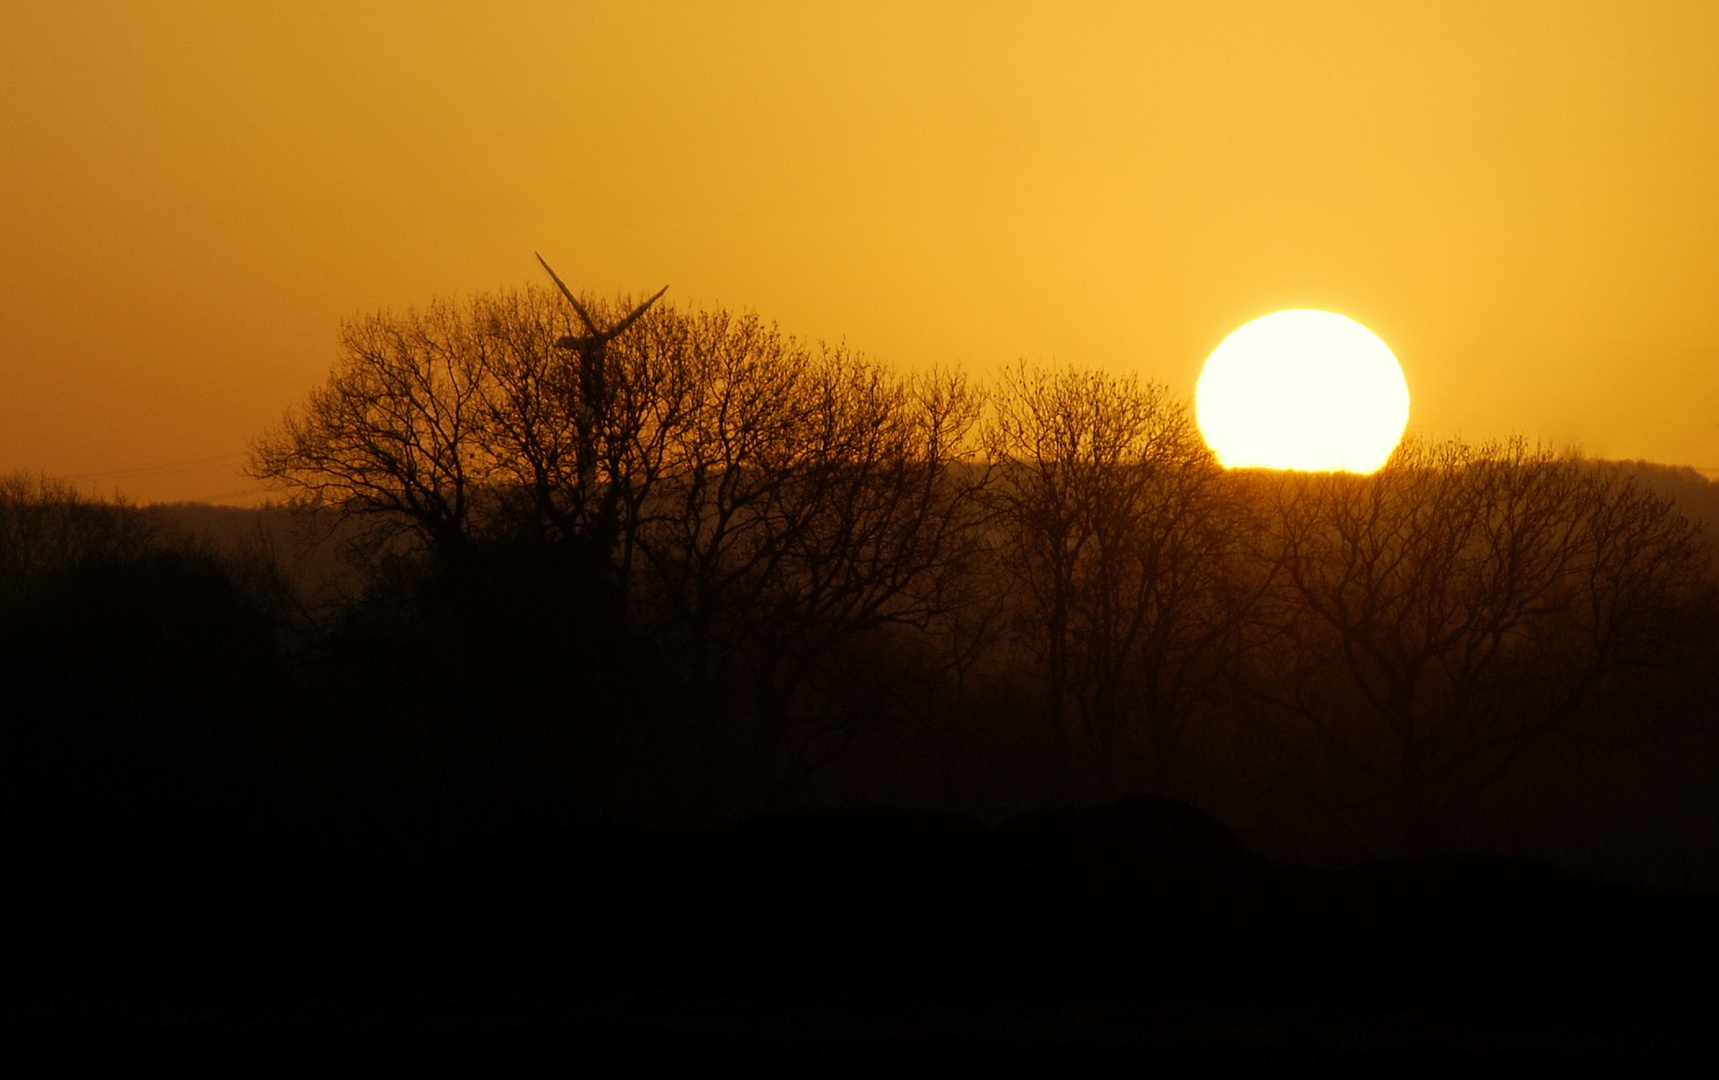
(1145,900)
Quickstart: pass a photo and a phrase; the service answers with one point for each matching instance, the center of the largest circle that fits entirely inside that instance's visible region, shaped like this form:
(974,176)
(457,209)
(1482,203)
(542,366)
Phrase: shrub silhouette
(141,688)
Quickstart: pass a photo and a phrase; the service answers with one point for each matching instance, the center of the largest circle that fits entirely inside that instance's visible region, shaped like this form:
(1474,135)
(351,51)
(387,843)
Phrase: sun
(1302,389)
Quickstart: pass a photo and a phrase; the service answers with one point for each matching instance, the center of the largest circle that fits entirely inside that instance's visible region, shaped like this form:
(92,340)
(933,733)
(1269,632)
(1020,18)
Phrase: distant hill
(232,530)
(1694,493)
(227,529)
(235,532)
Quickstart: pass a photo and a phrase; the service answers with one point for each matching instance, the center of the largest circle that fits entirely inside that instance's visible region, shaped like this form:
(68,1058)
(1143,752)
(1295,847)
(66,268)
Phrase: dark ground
(860,1032)
(858,943)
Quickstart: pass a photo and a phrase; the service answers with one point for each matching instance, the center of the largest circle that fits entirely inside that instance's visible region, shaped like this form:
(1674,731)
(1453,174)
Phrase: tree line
(630,559)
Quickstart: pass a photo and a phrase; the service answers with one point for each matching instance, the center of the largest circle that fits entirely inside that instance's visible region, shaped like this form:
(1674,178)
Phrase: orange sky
(1521,198)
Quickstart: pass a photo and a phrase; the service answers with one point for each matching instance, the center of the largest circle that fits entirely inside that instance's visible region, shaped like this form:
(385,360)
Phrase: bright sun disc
(1302,389)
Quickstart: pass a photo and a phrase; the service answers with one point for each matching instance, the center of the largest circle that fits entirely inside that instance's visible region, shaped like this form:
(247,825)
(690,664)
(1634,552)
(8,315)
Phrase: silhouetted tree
(1449,612)
(135,668)
(391,439)
(46,525)
(785,499)
(490,421)
(1121,533)
(811,496)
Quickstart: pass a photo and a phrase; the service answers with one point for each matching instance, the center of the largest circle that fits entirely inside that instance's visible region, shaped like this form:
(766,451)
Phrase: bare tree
(813,496)
(1451,611)
(783,499)
(1118,528)
(484,420)
(395,437)
(45,525)
(878,530)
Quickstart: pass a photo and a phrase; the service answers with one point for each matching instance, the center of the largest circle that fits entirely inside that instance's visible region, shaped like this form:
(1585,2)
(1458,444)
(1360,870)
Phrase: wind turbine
(592,348)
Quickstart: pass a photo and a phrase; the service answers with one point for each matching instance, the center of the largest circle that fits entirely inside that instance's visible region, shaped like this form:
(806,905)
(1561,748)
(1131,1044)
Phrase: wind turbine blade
(634,317)
(571,299)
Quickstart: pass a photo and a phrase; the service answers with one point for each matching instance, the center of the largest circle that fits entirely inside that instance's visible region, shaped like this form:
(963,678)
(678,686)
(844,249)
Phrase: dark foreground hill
(1106,931)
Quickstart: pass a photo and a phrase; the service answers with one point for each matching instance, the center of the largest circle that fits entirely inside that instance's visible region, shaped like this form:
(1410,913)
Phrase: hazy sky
(1521,198)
